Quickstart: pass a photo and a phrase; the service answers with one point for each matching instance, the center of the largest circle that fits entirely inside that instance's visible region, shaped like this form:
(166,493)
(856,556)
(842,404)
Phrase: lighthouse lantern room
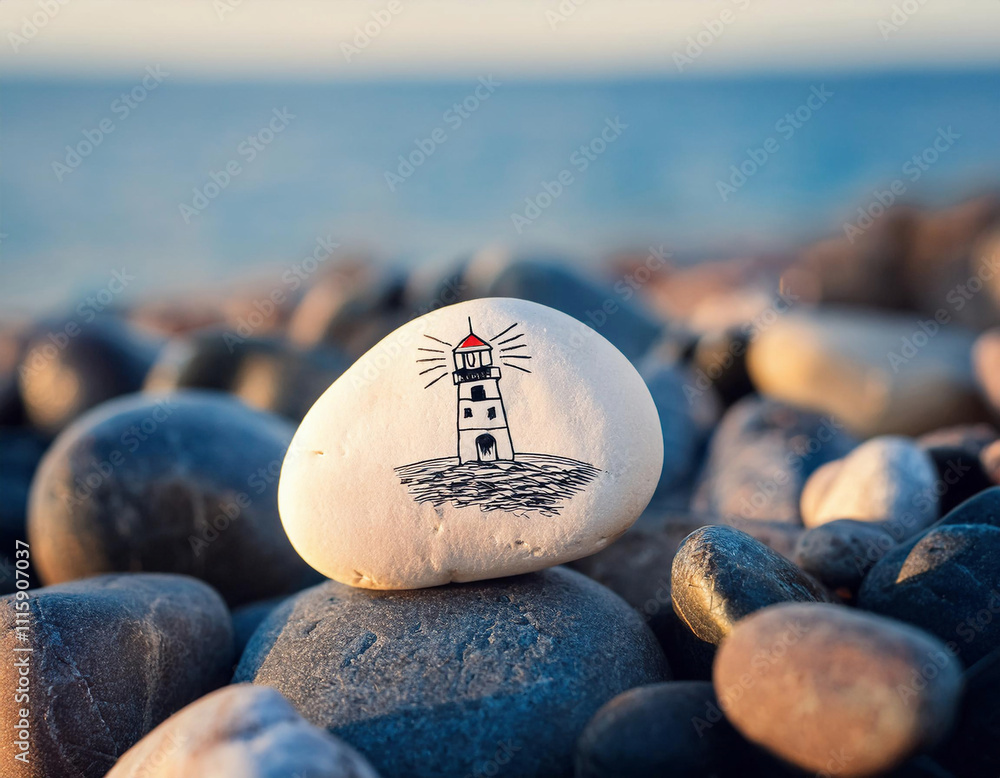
(483,435)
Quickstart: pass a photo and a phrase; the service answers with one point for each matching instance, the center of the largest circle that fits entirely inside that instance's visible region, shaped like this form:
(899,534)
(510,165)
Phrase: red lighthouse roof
(471,341)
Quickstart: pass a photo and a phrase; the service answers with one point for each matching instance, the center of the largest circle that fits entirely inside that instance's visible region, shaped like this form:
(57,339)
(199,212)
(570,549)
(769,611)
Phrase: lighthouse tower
(483,435)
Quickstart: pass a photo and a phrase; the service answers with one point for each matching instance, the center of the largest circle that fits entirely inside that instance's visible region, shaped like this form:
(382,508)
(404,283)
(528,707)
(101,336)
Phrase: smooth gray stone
(840,553)
(241,731)
(183,483)
(111,658)
(448,681)
(760,457)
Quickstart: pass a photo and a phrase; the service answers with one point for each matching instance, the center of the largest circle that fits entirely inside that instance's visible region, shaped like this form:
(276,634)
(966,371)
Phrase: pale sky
(299,39)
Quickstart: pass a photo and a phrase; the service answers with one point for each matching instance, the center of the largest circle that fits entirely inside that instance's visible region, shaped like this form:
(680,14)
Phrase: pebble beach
(516,516)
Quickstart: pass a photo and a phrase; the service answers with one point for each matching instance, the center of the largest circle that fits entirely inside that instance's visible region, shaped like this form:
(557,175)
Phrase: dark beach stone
(840,553)
(70,366)
(674,729)
(983,508)
(835,690)
(459,678)
(21,449)
(13,339)
(556,284)
(111,658)
(266,373)
(637,569)
(242,730)
(957,453)
(686,419)
(760,457)
(183,483)
(973,749)
(721,575)
(248,617)
(960,476)
(720,358)
(945,581)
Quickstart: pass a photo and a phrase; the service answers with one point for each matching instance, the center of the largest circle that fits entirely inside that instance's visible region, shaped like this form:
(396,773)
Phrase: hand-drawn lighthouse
(483,435)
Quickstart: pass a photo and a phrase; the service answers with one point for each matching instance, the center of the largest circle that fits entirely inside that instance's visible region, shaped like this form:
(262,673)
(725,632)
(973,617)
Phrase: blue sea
(184,184)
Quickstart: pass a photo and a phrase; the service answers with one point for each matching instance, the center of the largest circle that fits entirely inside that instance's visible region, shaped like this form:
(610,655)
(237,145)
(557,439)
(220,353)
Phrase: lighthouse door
(486,448)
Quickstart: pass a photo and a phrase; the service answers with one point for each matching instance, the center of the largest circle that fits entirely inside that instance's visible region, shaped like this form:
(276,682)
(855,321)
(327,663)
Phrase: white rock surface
(885,479)
(373,493)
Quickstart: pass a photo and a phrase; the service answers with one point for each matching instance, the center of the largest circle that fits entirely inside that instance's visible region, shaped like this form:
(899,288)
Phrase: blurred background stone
(350,304)
(760,457)
(70,366)
(266,373)
(878,373)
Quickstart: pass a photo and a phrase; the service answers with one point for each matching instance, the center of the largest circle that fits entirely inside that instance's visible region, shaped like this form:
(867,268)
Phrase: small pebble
(886,479)
(721,575)
(840,553)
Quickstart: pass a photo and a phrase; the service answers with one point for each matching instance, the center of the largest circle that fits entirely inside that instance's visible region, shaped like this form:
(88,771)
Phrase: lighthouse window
(491,413)
(478,393)
(468,413)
